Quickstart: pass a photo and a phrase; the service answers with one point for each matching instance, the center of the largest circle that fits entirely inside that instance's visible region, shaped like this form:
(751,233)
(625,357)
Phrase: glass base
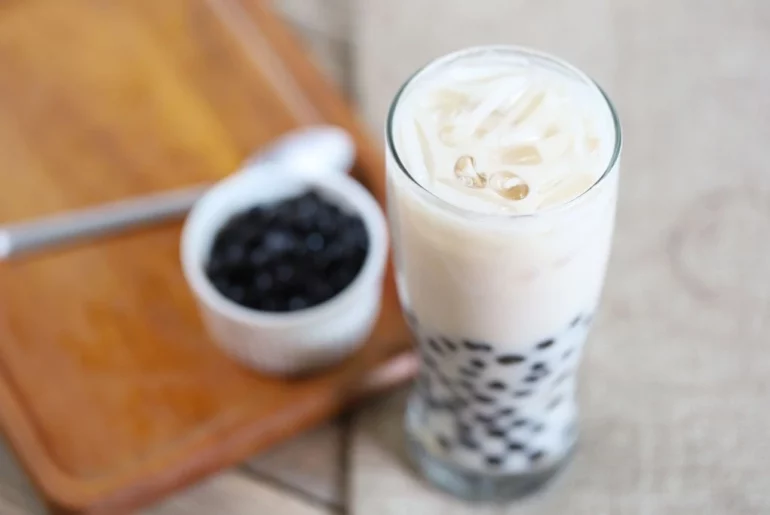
(477,487)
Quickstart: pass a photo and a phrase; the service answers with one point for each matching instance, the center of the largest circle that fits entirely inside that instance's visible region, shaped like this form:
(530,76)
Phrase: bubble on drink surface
(509,185)
(466,173)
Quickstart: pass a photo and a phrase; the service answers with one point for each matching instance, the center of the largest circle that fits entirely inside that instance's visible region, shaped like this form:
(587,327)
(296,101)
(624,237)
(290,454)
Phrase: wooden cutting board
(110,392)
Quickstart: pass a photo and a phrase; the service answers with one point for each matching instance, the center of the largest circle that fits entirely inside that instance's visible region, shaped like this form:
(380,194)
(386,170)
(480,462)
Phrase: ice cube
(509,185)
(466,173)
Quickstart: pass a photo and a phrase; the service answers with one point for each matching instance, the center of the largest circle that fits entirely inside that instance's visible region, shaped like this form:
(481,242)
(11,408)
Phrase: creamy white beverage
(502,175)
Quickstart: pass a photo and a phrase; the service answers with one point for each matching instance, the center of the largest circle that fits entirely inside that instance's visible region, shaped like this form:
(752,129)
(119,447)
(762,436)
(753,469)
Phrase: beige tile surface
(310,464)
(232,493)
(677,371)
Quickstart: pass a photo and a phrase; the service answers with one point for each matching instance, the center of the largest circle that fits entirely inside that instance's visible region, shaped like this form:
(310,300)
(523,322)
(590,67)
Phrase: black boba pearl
(495,432)
(476,346)
(484,399)
(236,293)
(538,428)
(443,441)
(314,242)
(259,257)
(297,303)
(567,353)
(536,456)
(554,403)
(477,363)
(429,361)
(496,385)
(449,344)
(444,380)
(575,321)
(468,372)
(284,273)
(433,344)
(463,428)
(458,403)
(545,344)
(505,412)
(510,359)
(484,419)
(494,461)
(466,384)
(521,422)
(520,394)
(516,446)
(465,437)
(531,379)
(263,282)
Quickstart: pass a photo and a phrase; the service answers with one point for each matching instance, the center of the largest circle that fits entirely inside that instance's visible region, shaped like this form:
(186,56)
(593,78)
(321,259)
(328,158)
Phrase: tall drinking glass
(502,167)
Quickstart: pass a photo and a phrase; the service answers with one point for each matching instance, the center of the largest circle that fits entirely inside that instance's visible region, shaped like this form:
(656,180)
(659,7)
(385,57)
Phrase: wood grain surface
(110,392)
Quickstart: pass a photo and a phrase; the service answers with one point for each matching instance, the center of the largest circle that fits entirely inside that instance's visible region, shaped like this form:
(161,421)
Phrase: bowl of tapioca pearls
(287,268)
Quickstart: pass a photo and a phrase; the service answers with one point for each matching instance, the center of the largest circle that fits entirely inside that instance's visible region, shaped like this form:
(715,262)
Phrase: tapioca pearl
(449,345)
(478,364)
(467,441)
(434,345)
(545,344)
(519,423)
(536,456)
(476,346)
(468,372)
(567,354)
(496,432)
(516,446)
(563,376)
(522,394)
(429,361)
(443,443)
(495,461)
(459,403)
(531,379)
(465,385)
(496,385)
(444,380)
(575,321)
(483,399)
(554,403)
(511,359)
(538,427)
(484,419)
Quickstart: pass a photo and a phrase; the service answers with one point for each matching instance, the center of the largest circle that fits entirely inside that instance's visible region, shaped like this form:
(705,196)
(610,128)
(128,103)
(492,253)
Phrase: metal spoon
(311,151)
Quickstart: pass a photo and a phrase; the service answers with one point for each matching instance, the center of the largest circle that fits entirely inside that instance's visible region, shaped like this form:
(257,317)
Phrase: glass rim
(527,52)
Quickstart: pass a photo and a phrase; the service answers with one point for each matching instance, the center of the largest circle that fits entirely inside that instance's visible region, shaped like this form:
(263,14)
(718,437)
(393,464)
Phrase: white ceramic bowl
(285,343)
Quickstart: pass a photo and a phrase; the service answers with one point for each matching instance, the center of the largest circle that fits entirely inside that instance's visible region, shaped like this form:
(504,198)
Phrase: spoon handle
(39,234)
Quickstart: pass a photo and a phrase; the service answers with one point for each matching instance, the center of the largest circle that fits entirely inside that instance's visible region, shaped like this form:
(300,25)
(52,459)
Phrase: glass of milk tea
(502,166)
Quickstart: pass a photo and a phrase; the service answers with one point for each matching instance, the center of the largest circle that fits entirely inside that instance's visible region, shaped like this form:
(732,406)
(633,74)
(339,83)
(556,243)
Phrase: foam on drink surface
(504,136)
